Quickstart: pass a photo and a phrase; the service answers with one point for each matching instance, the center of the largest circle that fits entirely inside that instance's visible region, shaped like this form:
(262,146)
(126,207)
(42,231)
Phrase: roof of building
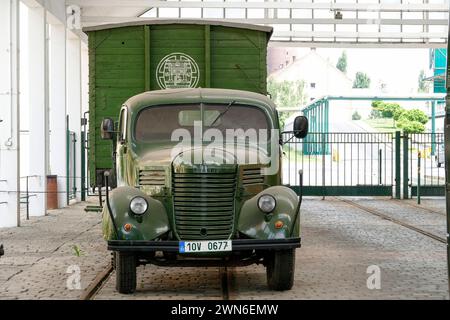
(291,70)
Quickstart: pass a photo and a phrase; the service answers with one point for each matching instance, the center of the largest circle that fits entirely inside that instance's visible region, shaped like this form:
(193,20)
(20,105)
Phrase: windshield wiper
(223,112)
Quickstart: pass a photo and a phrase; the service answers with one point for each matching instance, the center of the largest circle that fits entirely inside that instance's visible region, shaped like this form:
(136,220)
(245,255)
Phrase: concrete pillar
(74,102)
(9,114)
(57,108)
(38,104)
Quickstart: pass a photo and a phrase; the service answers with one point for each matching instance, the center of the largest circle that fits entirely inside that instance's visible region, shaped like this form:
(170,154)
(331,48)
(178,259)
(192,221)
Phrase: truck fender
(148,226)
(258,225)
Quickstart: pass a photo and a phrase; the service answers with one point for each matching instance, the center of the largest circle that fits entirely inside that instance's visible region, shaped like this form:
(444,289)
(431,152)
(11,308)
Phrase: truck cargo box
(129,58)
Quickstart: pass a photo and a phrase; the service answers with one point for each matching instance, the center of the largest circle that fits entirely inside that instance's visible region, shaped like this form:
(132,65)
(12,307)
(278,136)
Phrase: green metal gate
(350,164)
(71,181)
(426,164)
(365,164)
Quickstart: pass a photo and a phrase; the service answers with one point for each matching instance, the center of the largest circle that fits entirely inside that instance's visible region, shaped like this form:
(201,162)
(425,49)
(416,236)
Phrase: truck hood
(164,155)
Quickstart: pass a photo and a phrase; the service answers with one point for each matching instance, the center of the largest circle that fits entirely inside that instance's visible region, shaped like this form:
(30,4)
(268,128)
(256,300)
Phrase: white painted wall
(9,113)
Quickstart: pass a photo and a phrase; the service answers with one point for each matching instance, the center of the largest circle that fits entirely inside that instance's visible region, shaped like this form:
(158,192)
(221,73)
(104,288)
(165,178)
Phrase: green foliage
(362,80)
(376,104)
(411,121)
(389,109)
(414,115)
(398,113)
(356,116)
(410,126)
(342,62)
(375,114)
(77,251)
(287,94)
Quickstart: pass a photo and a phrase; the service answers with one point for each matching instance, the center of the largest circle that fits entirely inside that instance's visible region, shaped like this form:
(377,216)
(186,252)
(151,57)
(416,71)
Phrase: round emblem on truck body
(177,70)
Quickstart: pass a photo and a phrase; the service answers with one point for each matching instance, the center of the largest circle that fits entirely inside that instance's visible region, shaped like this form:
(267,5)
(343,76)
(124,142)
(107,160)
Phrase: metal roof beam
(375,35)
(407,7)
(357,44)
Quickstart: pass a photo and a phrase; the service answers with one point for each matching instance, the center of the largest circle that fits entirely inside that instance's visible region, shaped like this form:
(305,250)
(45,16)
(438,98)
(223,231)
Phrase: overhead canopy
(351,23)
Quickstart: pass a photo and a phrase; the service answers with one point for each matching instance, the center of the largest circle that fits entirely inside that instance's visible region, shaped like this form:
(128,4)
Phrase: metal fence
(365,164)
(426,161)
(71,166)
(340,163)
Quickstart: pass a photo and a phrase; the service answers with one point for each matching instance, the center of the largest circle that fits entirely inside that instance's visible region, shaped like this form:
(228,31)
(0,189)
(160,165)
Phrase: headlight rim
(267,195)
(146,205)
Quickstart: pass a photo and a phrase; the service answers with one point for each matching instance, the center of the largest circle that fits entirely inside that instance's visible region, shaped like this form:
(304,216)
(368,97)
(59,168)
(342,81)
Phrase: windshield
(156,124)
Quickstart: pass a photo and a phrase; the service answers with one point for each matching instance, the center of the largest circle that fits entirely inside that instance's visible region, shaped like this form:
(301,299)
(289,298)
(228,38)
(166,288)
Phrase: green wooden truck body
(124,61)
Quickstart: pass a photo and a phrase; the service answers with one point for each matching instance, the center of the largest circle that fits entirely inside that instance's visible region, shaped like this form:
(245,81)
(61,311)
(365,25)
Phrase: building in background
(320,76)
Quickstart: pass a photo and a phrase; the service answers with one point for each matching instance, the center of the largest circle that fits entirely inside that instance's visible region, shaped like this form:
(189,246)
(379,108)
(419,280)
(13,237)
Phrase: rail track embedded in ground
(225,277)
(420,207)
(91,291)
(393,220)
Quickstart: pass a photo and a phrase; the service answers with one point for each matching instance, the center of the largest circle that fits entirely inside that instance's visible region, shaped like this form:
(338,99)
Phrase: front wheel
(280,269)
(125,264)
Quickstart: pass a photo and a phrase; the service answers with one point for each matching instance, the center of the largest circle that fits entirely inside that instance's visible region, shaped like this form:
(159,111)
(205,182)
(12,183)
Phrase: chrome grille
(204,205)
(252,176)
(152,177)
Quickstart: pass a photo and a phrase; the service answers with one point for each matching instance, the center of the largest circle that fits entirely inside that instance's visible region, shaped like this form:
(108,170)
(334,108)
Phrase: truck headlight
(267,203)
(138,205)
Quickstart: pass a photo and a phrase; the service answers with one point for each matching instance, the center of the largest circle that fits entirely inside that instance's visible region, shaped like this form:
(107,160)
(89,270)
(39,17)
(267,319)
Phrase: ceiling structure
(307,23)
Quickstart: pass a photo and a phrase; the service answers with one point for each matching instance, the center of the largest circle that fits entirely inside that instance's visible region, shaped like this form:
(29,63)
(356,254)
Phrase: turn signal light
(279,224)
(127,227)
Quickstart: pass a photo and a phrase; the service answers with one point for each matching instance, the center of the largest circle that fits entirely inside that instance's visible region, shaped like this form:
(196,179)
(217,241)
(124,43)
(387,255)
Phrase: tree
(356,116)
(342,62)
(414,115)
(423,85)
(390,109)
(362,81)
(287,94)
(411,126)
(398,113)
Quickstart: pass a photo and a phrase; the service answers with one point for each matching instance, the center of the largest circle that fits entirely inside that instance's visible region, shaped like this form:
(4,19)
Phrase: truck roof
(214,22)
(196,95)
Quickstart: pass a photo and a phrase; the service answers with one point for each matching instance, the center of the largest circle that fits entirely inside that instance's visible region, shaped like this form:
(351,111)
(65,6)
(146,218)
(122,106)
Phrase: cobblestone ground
(158,283)
(340,242)
(412,213)
(38,254)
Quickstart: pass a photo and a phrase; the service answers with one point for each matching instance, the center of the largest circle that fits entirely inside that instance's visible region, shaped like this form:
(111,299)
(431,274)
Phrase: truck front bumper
(173,246)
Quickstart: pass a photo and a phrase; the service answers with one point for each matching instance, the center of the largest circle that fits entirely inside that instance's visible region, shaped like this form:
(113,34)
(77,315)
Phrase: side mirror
(300,127)
(107,129)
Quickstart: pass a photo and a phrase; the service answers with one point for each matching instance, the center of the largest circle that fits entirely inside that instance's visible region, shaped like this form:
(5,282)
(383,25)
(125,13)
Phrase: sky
(399,69)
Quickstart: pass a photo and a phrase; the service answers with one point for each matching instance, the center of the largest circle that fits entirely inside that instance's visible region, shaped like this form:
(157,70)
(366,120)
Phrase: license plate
(205,246)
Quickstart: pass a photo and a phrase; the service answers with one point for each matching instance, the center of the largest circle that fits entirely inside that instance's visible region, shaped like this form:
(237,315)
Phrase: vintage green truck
(197,175)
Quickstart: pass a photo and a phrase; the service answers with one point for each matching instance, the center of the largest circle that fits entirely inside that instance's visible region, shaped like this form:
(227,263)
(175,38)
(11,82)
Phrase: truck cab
(198,175)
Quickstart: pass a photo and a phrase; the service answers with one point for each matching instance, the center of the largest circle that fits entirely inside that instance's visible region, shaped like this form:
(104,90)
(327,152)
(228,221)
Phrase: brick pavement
(339,243)
(39,253)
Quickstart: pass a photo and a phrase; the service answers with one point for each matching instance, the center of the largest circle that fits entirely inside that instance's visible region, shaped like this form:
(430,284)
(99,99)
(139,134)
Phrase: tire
(280,269)
(125,272)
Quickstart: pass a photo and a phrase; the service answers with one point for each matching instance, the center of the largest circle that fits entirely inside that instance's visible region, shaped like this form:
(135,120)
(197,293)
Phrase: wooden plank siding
(123,63)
